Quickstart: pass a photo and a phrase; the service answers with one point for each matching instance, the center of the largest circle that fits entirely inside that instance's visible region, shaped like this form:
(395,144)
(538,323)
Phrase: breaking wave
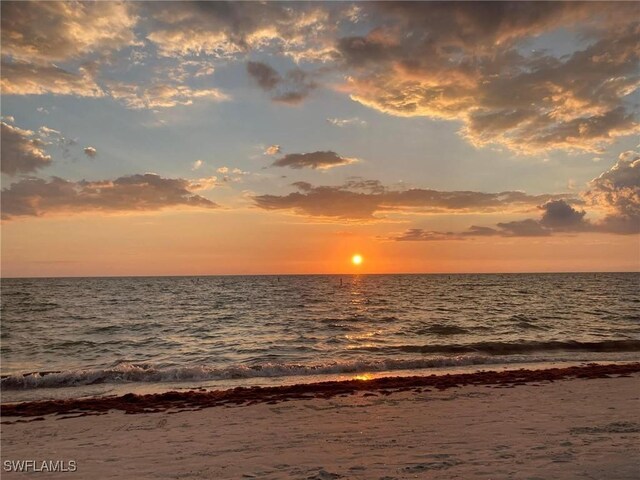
(129,372)
(485,353)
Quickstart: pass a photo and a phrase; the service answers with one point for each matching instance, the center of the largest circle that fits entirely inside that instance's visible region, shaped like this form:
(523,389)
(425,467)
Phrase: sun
(356,259)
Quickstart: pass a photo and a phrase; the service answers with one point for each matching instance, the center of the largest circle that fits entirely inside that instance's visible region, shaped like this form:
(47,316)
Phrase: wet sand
(579,422)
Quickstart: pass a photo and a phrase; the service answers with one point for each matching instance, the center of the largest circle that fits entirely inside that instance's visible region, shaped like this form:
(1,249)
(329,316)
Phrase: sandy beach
(568,428)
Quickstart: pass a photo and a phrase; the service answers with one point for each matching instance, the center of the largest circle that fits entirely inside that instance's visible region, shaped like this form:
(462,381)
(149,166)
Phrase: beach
(555,423)
(319,240)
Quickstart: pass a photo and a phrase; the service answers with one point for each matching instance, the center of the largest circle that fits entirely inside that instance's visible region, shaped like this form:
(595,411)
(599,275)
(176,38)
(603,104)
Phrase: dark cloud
(22,151)
(315,160)
(322,202)
(134,193)
(523,228)
(420,235)
(470,62)
(362,199)
(518,228)
(266,77)
(291,88)
(559,215)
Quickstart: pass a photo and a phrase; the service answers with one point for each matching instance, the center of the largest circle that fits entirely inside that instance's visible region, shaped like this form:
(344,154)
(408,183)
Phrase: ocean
(75,337)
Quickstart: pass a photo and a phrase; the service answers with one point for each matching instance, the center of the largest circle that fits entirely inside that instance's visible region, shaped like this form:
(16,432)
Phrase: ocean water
(95,336)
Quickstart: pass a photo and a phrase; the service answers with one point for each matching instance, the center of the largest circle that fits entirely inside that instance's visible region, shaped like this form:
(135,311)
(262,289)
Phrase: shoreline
(189,400)
(544,429)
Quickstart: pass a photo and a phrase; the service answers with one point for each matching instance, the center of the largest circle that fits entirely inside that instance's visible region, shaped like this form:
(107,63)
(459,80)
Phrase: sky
(204,138)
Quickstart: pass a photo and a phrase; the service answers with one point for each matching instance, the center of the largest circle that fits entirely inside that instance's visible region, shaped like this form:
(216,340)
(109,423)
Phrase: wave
(130,372)
(484,353)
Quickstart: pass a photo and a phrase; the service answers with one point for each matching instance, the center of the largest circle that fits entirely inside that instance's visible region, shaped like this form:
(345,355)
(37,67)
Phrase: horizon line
(351,274)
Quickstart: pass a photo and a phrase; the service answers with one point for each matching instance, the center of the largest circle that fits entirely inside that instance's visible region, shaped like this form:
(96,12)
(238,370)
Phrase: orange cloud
(33,79)
(54,31)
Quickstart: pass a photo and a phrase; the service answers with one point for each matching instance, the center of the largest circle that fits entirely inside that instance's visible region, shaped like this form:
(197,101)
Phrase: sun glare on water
(356,259)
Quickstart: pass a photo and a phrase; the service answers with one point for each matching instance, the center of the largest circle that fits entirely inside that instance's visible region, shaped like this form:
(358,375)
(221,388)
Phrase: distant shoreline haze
(346,273)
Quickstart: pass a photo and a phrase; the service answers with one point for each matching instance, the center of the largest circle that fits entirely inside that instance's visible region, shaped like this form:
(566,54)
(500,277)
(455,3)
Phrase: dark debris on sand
(173,402)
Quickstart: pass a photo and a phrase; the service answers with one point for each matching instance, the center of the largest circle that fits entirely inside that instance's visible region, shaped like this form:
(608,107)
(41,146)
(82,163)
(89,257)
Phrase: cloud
(32,79)
(362,199)
(266,77)
(22,151)
(558,215)
(161,95)
(231,175)
(480,65)
(90,152)
(272,150)
(470,62)
(49,136)
(618,188)
(85,34)
(523,228)
(617,191)
(420,235)
(133,193)
(230,29)
(293,88)
(206,183)
(346,122)
(47,132)
(315,160)
(519,228)
(197,164)
(57,31)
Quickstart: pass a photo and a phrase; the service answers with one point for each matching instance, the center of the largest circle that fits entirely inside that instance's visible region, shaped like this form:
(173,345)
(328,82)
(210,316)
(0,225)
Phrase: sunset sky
(238,138)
